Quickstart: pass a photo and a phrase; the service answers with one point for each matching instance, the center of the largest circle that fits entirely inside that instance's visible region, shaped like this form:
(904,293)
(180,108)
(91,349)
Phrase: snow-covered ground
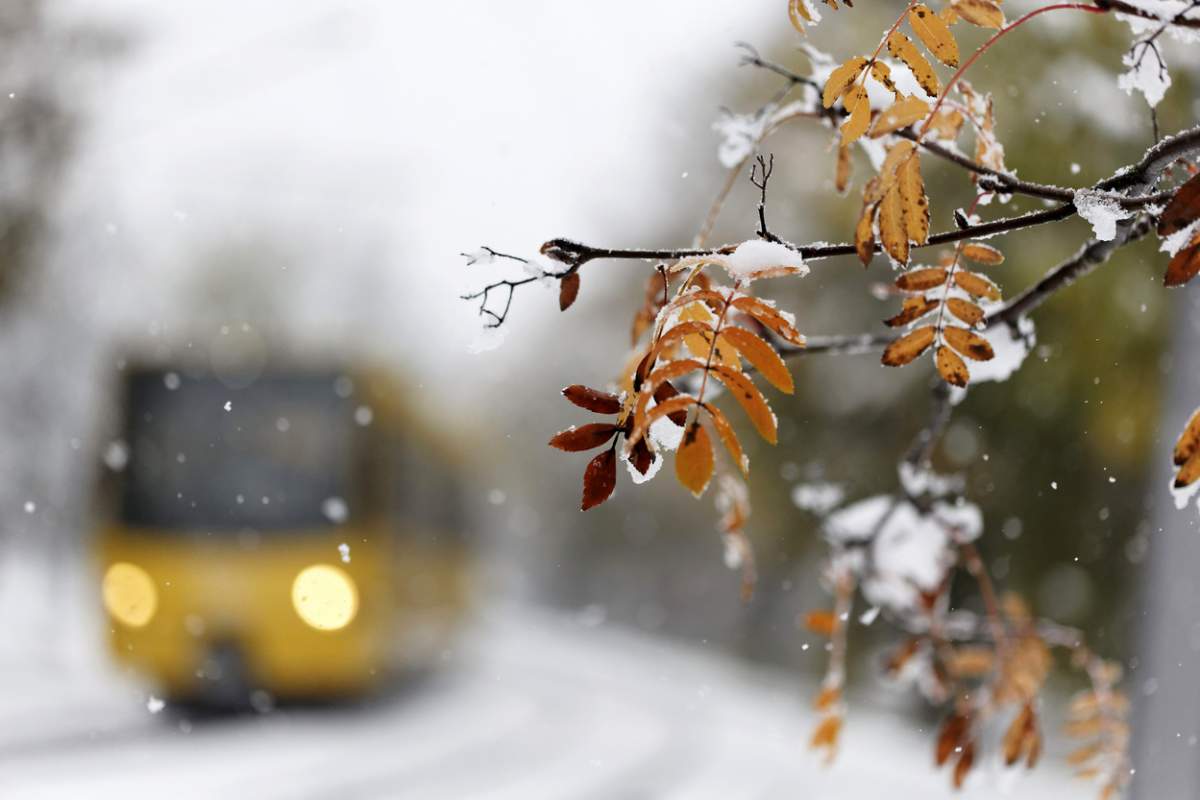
(533,706)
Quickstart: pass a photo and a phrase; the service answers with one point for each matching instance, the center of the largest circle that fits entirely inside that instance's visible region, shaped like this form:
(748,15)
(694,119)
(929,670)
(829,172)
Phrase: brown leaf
(901,47)
(983,13)
(919,280)
(694,460)
(665,392)
(1015,736)
(969,343)
(912,310)
(599,479)
(891,225)
(641,456)
(982,253)
(841,179)
(593,399)
(822,623)
(975,284)
(860,114)
(1184,265)
(908,347)
(1189,441)
(965,761)
(933,31)
(762,356)
(769,316)
(949,737)
(585,437)
(965,310)
(751,401)
(1183,210)
(728,438)
(568,290)
(914,202)
(900,114)
(841,79)
(951,367)
(864,234)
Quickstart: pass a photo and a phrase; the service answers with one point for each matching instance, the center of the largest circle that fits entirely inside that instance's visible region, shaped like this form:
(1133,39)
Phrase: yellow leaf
(969,343)
(860,114)
(907,347)
(900,114)
(901,47)
(912,310)
(918,280)
(694,461)
(841,79)
(913,200)
(1189,441)
(951,367)
(933,31)
(864,233)
(728,438)
(983,13)
(982,253)
(892,230)
(751,401)
(975,284)
(967,311)
(883,73)
(946,123)
(752,348)
(770,316)
(798,13)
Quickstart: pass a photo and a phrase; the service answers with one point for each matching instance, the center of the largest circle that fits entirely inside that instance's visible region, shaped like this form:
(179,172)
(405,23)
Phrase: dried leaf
(914,202)
(951,367)
(1015,736)
(984,13)
(841,179)
(975,284)
(762,356)
(771,317)
(919,280)
(1183,210)
(599,479)
(864,234)
(969,343)
(1189,441)
(694,461)
(965,310)
(568,290)
(826,733)
(900,114)
(982,253)
(841,79)
(946,123)
(1184,265)
(728,437)
(881,72)
(965,762)
(593,399)
(827,698)
(798,14)
(751,401)
(901,47)
(892,229)
(664,392)
(908,347)
(949,737)
(1189,473)
(859,106)
(644,419)
(912,310)
(935,34)
(971,662)
(822,623)
(585,437)
(641,456)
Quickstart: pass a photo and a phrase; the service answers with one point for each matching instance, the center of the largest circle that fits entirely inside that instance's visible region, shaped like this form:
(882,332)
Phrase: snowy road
(536,706)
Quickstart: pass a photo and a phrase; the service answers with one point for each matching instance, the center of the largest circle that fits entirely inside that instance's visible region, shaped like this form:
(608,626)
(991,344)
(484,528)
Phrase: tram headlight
(129,594)
(325,597)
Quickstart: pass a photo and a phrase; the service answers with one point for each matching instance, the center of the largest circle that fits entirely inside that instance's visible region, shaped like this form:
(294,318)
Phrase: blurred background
(212,212)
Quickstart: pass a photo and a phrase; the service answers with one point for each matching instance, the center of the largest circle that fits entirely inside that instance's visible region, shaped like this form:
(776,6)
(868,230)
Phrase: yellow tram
(291,536)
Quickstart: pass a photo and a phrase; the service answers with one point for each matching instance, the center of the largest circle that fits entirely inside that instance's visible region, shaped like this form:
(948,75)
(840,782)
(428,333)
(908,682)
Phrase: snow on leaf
(1146,73)
(757,258)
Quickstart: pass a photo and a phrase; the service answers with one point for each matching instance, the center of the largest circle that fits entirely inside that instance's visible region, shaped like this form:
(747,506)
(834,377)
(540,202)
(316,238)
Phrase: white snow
(335,510)
(116,455)
(344,552)
(1102,211)
(1175,242)
(1146,73)
(818,497)
(487,340)
(740,134)
(1010,348)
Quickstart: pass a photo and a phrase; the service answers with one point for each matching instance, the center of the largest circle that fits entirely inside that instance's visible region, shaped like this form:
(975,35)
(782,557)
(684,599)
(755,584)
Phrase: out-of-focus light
(129,594)
(325,597)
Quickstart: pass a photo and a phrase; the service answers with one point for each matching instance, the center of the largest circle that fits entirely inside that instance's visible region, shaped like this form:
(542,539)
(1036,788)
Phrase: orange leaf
(965,761)
(665,392)
(967,311)
(969,343)
(568,290)
(918,280)
(912,310)
(643,421)
(934,32)
(599,479)
(982,253)
(1189,441)
(907,347)
(751,401)
(694,461)
(1183,210)
(769,316)
(951,367)
(864,234)
(762,356)
(585,437)
(593,399)
(841,79)
(975,284)
(1189,473)
(822,623)
(728,438)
